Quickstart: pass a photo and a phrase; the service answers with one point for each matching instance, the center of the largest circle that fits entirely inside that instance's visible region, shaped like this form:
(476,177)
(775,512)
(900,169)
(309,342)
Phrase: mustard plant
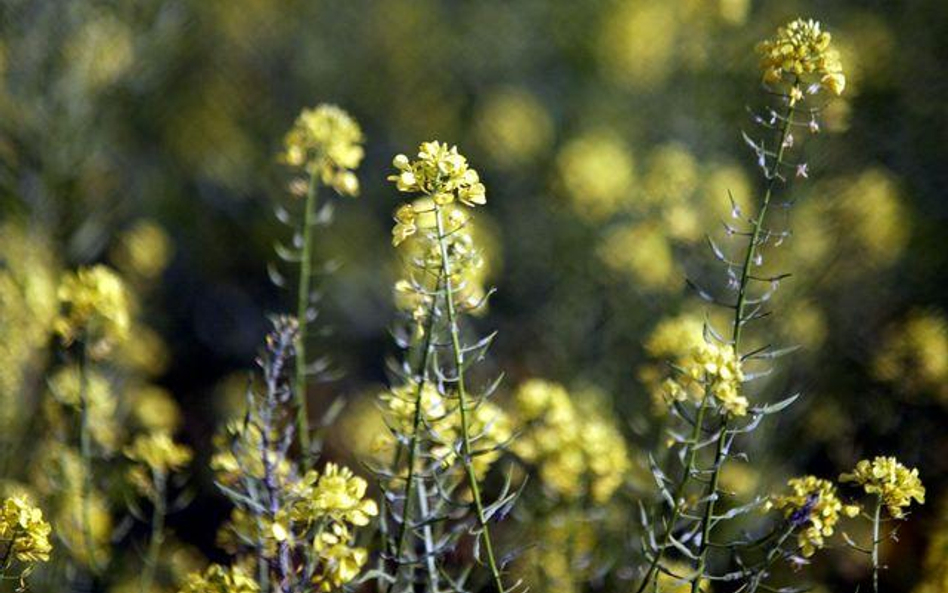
(293,528)
(325,146)
(24,539)
(708,387)
(445,435)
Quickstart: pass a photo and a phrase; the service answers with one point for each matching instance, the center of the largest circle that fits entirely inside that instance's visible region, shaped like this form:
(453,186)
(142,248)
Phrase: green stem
(467,459)
(651,575)
(421,372)
(749,256)
(302,317)
(85,450)
(157,532)
(876,523)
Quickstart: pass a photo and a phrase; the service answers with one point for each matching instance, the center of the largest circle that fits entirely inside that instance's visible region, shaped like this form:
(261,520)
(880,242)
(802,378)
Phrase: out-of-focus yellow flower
(28,307)
(217,579)
(440,172)
(147,353)
(801,50)
(335,494)
(327,142)
(24,533)
(100,51)
(95,308)
(144,250)
(88,541)
(596,172)
(576,451)
(513,127)
(813,506)
(154,409)
(158,452)
(888,479)
(637,43)
(805,324)
(671,175)
(914,355)
(67,389)
(871,208)
(642,252)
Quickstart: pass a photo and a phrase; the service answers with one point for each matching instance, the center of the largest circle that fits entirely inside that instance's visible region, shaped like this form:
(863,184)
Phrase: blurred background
(144,134)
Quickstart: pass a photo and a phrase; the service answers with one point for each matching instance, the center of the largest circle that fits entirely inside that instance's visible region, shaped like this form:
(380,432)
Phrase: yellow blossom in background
(871,207)
(814,507)
(802,51)
(637,42)
(95,308)
(335,494)
(159,452)
(914,354)
(147,354)
(68,386)
(144,250)
(24,534)
(576,451)
(28,307)
(154,409)
(326,142)
(643,254)
(671,175)
(69,517)
(596,173)
(440,172)
(678,581)
(896,485)
(513,127)
(100,51)
(218,579)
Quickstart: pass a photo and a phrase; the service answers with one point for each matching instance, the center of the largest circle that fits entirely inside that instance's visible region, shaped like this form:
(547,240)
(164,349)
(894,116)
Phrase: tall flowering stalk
(325,143)
(94,318)
(445,435)
(294,525)
(708,388)
(893,488)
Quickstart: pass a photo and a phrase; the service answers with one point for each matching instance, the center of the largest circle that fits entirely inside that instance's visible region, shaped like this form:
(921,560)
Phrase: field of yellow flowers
(637,296)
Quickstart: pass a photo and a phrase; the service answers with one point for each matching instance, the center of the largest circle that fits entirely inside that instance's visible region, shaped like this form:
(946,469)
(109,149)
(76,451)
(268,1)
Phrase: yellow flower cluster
(671,340)
(143,250)
(159,452)
(336,494)
(576,451)
(95,309)
(24,534)
(341,562)
(237,454)
(813,505)
(712,368)
(28,297)
(335,499)
(327,142)
(914,355)
(67,389)
(218,579)
(487,424)
(800,50)
(440,172)
(895,484)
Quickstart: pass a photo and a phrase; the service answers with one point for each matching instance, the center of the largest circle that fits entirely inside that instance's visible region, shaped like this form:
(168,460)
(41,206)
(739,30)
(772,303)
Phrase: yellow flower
(336,494)
(802,51)
(327,142)
(340,562)
(23,532)
(576,451)
(894,483)
(441,172)
(217,579)
(597,173)
(814,507)
(712,367)
(95,308)
(159,452)
(143,250)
